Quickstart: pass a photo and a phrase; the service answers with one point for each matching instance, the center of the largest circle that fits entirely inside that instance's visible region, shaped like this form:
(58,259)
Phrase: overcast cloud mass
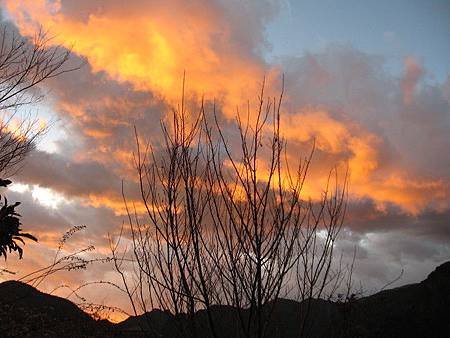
(391,128)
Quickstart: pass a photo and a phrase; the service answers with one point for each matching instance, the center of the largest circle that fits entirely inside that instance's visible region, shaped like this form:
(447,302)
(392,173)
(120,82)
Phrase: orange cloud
(115,203)
(152,45)
(358,147)
(360,150)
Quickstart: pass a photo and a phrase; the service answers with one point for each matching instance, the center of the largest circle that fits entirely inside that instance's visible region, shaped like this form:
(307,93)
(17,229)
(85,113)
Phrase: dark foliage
(415,310)
(26,312)
(10,232)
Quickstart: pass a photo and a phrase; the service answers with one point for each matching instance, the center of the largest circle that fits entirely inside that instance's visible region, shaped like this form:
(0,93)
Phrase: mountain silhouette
(414,310)
(27,312)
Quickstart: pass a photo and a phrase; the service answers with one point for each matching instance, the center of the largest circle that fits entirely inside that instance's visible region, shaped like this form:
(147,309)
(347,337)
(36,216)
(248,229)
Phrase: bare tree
(24,65)
(171,269)
(266,229)
(228,225)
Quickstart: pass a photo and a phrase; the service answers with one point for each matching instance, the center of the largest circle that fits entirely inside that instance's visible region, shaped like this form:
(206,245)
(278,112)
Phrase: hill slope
(415,310)
(27,312)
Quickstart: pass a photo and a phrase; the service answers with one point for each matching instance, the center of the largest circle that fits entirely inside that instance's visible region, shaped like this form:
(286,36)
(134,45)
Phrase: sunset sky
(368,80)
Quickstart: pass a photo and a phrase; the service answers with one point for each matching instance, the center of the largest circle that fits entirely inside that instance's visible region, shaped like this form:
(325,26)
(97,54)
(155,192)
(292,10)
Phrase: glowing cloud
(149,45)
(152,44)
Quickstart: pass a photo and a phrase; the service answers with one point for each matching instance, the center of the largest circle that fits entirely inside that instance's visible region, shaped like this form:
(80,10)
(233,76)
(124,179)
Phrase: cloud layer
(392,132)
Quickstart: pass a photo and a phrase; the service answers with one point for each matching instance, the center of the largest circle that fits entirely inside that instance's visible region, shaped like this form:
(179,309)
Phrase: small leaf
(17,238)
(29,236)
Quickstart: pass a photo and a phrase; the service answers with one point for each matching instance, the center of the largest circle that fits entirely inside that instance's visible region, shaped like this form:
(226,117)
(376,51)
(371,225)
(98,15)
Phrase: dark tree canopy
(10,232)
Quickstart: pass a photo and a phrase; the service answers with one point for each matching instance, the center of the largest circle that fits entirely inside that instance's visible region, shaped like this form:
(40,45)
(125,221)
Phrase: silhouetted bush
(10,232)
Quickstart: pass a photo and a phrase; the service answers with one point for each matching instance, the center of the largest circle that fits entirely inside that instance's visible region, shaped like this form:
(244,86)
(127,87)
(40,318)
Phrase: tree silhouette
(219,230)
(24,65)
(10,232)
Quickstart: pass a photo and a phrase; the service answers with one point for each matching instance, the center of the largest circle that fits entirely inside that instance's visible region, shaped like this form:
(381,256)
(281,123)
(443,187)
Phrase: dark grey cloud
(364,216)
(69,177)
(49,224)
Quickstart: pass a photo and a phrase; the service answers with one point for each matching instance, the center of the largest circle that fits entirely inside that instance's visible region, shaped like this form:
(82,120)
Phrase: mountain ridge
(413,310)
